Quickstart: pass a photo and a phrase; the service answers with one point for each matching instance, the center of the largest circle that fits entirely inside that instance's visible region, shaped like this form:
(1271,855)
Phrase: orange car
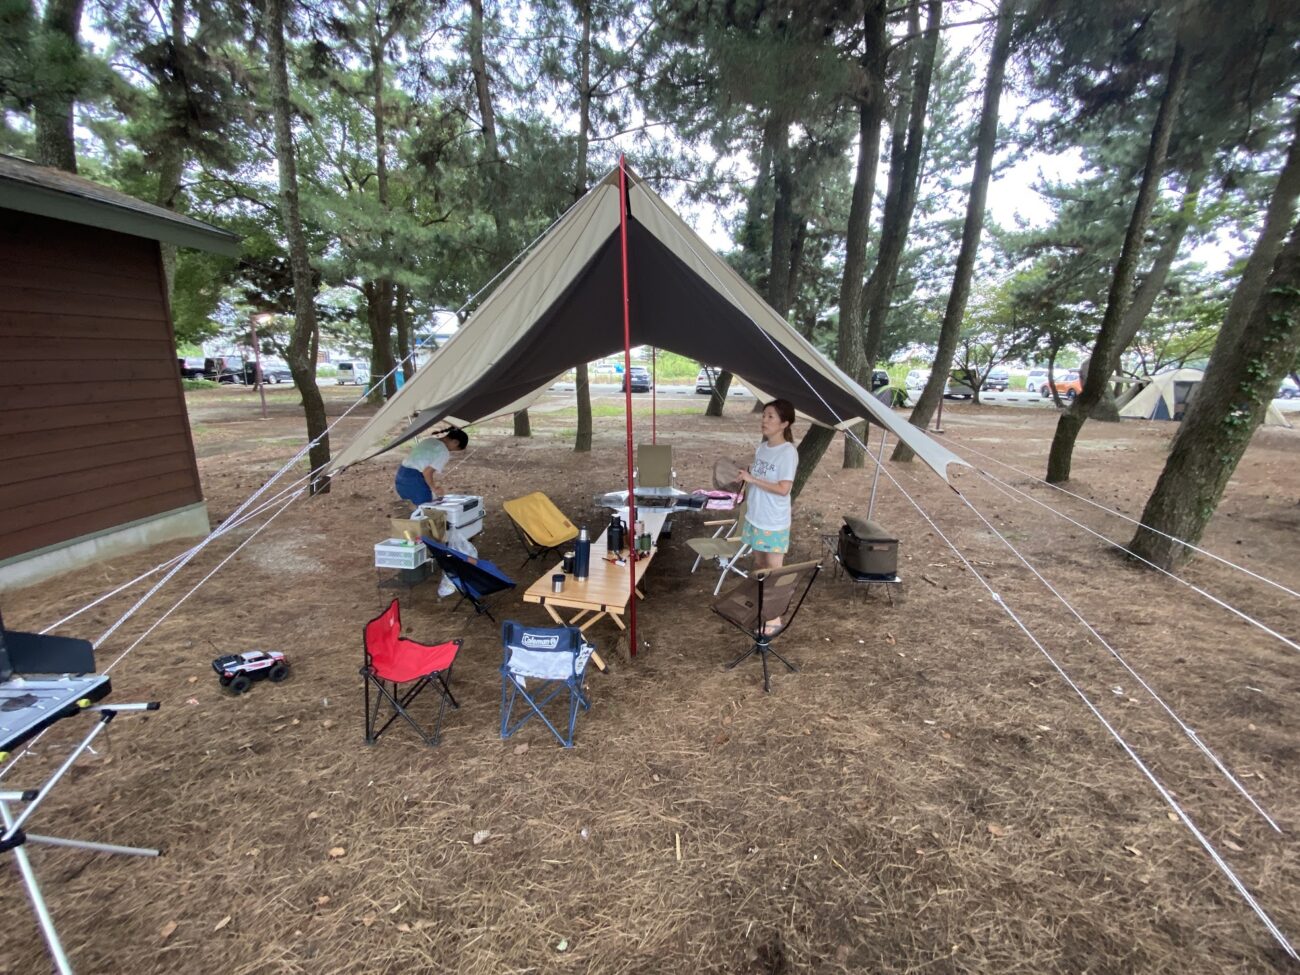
(1067,385)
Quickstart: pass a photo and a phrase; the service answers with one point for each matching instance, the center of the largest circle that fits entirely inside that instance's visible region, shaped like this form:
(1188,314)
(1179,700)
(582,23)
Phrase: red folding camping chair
(391,660)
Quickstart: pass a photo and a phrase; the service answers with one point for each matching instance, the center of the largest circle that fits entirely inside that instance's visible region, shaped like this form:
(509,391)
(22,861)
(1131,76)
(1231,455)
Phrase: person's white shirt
(429,452)
(768,511)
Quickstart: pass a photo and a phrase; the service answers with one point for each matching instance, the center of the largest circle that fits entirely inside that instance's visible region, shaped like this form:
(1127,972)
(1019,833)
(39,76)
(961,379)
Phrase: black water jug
(617,535)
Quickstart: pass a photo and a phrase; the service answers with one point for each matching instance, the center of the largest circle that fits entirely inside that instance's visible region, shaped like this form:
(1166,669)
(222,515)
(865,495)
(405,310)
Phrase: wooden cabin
(96,458)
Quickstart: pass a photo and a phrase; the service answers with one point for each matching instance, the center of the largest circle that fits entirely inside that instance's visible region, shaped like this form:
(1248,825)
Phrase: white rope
(1189,732)
(1164,793)
(32,744)
(217,568)
(217,532)
(1128,551)
(234,518)
(1140,524)
(1119,739)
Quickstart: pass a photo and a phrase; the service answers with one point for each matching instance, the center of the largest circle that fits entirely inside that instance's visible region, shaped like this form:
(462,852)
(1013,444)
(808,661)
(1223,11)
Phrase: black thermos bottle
(582,555)
(615,539)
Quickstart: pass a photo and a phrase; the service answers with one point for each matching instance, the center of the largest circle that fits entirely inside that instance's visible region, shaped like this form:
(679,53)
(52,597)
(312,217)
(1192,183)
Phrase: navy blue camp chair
(556,656)
(475,579)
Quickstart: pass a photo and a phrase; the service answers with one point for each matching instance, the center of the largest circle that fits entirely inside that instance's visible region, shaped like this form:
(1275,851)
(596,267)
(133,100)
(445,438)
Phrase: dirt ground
(927,794)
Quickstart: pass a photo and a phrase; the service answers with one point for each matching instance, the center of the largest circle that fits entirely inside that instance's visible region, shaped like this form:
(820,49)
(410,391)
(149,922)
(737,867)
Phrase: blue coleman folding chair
(475,579)
(555,655)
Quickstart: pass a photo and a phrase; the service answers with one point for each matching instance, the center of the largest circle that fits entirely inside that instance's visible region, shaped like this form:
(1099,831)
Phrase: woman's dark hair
(785,413)
(457,436)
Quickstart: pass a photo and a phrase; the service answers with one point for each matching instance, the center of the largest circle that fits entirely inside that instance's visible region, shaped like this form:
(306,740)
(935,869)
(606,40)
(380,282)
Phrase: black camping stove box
(867,550)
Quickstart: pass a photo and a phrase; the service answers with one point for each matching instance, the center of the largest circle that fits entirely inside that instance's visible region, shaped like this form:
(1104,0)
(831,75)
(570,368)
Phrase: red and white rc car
(237,671)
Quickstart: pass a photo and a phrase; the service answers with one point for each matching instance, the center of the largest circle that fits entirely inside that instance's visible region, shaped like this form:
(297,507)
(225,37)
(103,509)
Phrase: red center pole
(654,391)
(627,406)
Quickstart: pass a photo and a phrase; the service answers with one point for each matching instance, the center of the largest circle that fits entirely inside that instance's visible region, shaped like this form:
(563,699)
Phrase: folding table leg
(38,902)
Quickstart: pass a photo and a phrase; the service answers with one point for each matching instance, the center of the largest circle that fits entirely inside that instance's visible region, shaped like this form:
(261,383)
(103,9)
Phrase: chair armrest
(724,521)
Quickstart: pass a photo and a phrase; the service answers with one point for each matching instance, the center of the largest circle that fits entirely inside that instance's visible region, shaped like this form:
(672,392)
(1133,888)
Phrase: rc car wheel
(240,683)
(277,673)
(223,680)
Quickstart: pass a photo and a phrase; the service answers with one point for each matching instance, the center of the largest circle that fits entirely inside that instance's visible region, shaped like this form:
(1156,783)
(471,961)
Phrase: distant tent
(562,305)
(1168,394)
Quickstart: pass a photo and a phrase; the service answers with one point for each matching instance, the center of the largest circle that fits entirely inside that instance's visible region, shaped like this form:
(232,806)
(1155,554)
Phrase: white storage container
(397,553)
(464,513)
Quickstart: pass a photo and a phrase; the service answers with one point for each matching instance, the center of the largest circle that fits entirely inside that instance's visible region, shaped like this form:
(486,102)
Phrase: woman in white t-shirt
(417,478)
(770,478)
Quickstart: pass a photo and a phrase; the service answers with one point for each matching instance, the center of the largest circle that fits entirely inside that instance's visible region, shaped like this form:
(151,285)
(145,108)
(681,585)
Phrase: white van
(357,373)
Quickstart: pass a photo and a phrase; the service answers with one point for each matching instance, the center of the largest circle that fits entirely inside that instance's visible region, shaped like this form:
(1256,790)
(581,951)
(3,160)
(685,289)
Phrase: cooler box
(867,550)
(464,512)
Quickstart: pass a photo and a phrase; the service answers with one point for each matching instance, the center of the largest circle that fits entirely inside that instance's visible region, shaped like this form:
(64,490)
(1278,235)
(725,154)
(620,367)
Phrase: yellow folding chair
(540,525)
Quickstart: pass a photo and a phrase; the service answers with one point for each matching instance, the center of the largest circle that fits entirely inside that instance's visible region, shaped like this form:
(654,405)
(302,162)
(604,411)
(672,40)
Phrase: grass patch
(199,384)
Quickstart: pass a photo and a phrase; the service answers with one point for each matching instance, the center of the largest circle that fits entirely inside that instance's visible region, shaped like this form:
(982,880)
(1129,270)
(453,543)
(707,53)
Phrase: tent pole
(880,459)
(627,406)
(654,391)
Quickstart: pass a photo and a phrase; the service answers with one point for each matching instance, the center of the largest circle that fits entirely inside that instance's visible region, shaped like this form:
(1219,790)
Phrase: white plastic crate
(396,553)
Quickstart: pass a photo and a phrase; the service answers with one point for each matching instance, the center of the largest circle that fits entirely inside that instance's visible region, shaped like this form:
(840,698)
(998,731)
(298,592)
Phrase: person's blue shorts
(762,540)
(411,486)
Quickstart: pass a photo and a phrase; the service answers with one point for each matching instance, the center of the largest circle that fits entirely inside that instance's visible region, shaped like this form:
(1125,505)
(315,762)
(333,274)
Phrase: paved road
(615,389)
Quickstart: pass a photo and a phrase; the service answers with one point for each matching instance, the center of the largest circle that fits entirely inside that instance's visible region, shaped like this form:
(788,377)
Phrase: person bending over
(771,476)
(418,476)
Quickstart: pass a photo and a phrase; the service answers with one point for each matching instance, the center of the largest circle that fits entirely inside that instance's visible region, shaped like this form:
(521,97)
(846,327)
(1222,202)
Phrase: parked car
(357,373)
(917,378)
(640,379)
(229,369)
(879,379)
(958,386)
(1067,386)
(1288,390)
(705,380)
(998,380)
(276,372)
(191,368)
(1034,381)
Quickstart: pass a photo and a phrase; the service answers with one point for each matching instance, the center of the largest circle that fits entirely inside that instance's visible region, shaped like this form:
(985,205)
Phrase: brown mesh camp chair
(724,546)
(766,595)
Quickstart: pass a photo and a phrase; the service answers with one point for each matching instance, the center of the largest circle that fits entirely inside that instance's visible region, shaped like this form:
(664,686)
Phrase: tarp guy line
(32,744)
(1110,541)
(1164,793)
(1120,514)
(232,520)
(1190,733)
(1214,854)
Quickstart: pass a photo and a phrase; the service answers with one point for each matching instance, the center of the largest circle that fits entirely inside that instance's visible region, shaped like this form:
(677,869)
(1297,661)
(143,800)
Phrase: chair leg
(763,647)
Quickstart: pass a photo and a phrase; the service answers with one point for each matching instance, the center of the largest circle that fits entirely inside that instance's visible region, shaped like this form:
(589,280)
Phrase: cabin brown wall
(93,428)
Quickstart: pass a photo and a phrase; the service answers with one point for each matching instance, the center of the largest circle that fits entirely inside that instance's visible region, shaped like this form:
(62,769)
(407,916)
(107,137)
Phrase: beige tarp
(563,305)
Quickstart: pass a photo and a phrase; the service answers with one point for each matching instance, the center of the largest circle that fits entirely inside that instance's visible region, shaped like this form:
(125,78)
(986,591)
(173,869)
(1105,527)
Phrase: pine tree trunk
(871,116)
(986,142)
(1104,351)
(582,384)
(904,185)
(492,152)
(301,365)
(751,236)
(53,105)
(718,397)
(402,319)
(1229,406)
(1145,296)
(1277,218)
